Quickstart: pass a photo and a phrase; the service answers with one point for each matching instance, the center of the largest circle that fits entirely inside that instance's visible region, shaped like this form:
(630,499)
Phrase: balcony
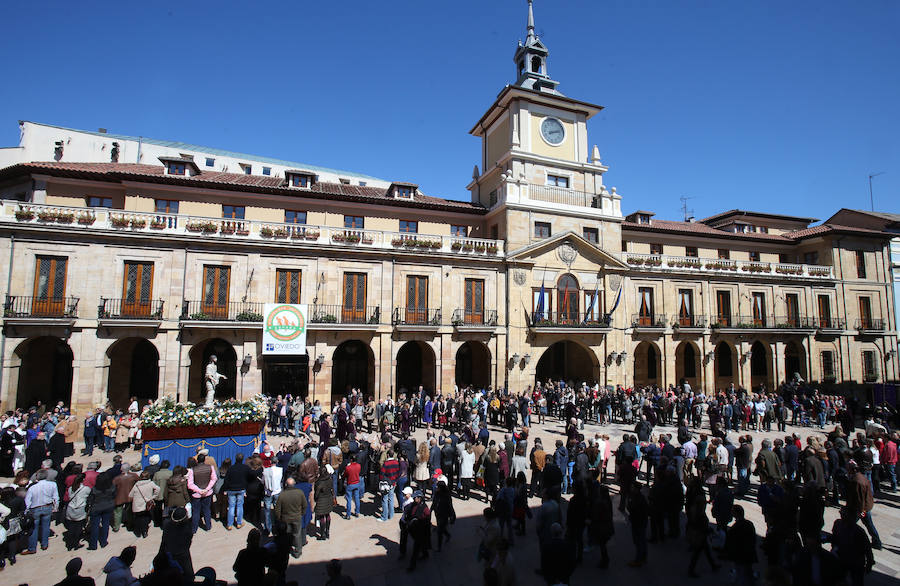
(143,224)
(829,324)
(233,314)
(563,195)
(692,264)
(795,322)
(465,320)
(26,307)
(549,322)
(768,323)
(656,321)
(408,318)
(684,323)
(338,317)
(868,324)
(134,312)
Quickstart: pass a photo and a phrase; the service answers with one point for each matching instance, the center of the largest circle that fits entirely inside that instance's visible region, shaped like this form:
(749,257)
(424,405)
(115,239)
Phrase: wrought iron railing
(830,323)
(29,306)
(651,320)
(411,316)
(568,319)
(466,317)
(870,324)
(130,308)
(794,322)
(688,321)
(339,314)
(237,311)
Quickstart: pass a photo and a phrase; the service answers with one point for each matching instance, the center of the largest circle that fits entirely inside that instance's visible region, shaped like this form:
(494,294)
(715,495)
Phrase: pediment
(567,249)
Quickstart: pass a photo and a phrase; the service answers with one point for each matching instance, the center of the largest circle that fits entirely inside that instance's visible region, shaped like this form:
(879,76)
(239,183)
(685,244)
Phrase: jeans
(398,490)
(99,529)
(867,522)
(743,484)
(268,502)
(41,516)
(296,530)
(235,507)
(89,446)
(639,537)
(387,505)
(821,419)
(109,443)
(201,506)
(567,477)
(334,484)
(891,470)
(297,422)
(352,496)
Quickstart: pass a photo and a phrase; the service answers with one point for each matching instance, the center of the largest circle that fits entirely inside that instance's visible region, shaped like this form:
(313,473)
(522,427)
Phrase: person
(250,563)
(419,529)
(444,513)
(201,479)
(118,568)
(323,497)
(638,516)
(289,509)
(73,577)
(101,504)
(177,536)
(354,487)
(76,512)
(860,500)
(123,484)
(740,546)
(41,501)
(601,528)
(335,575)
(143,500)
(558,558)
(235,488)
(851,546)
(390,472)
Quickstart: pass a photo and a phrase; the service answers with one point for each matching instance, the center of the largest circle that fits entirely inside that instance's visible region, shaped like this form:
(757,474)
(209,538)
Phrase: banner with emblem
(284,329)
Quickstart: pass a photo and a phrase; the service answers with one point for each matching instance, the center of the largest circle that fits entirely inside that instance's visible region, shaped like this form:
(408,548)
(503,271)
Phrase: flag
(539,310)
(618,298)
(590,307)
(564,303)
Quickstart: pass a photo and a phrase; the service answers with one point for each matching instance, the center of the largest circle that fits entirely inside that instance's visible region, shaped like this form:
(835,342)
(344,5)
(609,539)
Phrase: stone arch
(133,372)
(647,364)
(352,366)
(794,360)
(473,365)
(415,366)
(760,365)
(688,366)
(567,360)
(45,372)
(226,357)
(725,365)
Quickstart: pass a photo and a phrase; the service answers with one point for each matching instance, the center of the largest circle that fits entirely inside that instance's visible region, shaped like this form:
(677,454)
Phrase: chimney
(101,130)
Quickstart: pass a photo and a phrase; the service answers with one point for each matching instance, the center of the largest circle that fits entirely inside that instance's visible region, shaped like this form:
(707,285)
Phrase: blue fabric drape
(178,451)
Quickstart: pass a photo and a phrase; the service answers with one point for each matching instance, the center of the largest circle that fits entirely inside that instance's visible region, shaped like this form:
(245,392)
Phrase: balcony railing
(562,195)
(554,319)
(688,321)
(237,311)
(49,307)
(830,323)
(648,321)
(130,309)
(410,316)
(870,324)
(466,317)
(744,322)
(659,262)
(794,322)
(128,222)
(338,314)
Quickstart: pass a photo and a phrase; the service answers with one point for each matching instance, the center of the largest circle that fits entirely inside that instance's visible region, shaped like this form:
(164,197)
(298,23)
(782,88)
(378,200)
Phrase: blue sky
(779,106)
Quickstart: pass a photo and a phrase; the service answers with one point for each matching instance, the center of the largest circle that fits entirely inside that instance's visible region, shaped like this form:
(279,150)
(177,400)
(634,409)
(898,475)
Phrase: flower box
(280,233)
(227,230)
(138,223)
(46,216)
(492,249)
(205,227)
(243,232)
(480,248)
(266,232)
(397,241)
(468,247)
(86,218)
(224,418)
(312,235)
(65,217)
(119,221)
(456,246)
(24,215)
(157,224)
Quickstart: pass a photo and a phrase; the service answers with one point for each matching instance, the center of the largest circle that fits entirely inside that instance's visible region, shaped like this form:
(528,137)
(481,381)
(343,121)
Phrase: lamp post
(871,199)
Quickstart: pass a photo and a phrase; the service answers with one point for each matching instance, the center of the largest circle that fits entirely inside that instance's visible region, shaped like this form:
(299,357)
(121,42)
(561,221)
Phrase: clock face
(552,131)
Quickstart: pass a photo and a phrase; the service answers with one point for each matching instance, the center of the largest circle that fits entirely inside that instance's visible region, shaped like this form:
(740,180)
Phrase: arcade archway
(647,365)
(687,364)
(226,363)
(133,372)
(473,365)
(725,364)
(353,367)
(760,366)
(794,361)
(569,361)
(45,372)
(415,366)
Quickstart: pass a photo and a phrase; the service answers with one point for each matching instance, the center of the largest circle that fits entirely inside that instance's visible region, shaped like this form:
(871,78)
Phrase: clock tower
(535,163)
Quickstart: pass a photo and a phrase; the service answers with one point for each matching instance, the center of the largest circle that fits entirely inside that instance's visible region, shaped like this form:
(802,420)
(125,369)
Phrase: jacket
(236,477)
(177,492)
(291,505)
(859,494)
(324,496)
(124,483)
(118,574)
(142,492)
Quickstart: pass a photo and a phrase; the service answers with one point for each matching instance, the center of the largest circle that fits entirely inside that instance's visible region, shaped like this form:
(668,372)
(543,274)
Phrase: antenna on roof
(685,212)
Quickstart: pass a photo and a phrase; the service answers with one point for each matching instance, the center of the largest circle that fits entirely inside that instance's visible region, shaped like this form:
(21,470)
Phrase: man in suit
(90,435)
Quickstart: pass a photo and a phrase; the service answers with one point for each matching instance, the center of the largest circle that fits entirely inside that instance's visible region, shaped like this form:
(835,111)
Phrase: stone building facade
(122,278)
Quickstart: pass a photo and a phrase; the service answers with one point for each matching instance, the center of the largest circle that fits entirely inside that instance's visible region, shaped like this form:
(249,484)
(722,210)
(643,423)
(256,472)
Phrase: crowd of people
(670,473)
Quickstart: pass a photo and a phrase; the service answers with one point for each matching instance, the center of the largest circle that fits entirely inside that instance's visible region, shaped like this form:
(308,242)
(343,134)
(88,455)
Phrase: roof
(745,213)
(233,182)
(214,151)
(705,231)
(834,229)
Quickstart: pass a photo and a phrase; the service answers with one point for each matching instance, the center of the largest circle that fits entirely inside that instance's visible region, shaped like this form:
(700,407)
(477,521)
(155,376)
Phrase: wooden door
(759,309)
(824,311)
(137,290)
(215,291)
(354,309)
(685,308)
(792,306)
(416,300)
(723,308)
(474,300)
(287,286)
(49,286)
(645,314)
(865,313)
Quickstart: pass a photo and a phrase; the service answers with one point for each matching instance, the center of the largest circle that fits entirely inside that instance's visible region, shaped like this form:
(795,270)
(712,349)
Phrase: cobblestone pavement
(369,548)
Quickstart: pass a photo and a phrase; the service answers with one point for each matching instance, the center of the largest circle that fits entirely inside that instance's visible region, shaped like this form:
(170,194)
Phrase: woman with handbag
(323,501)
(76,512)
(143,498)
(101,503)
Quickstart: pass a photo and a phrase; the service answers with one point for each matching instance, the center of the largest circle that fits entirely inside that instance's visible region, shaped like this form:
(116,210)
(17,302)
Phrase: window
(541,307)
(685,307)
(792,309)
(764,229)
(492,198)
(494,232)
(691,251)
(459,230)
(870,367)
(233,212)
(247,169)
(811,258)
(300,180)
(210,162)
(362,183)
(723,308)
(860,264)
(542,229)
(557,180)
(592,235)
(403,191)
(166,206)
(828,374)
(758,306)
(410,226)
(49,286)
(754,256)
(416,299)
(287,285)
(354,222)
(724,254)
(267,170)
(345,181)
(176,168)
(783,258)
(643,218)
(593,303)
(824,303)
(216,280)
(137,289)
(292,217)
(645,313)
(354,309)
(567,296)
(99,202)
(474,301)
(865,313)
(656,248)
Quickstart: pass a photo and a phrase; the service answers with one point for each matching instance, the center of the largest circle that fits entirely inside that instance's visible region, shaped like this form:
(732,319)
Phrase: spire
(531,60)
(530,22)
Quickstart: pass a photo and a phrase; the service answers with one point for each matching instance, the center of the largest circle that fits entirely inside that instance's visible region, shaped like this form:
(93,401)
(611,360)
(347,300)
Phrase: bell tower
(531,61)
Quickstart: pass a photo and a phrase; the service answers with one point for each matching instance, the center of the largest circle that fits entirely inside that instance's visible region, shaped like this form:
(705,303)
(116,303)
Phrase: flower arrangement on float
(166,413)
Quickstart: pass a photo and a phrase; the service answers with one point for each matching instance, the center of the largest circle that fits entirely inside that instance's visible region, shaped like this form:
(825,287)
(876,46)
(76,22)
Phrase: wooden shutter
(137,289)
(824,311)
(354,310)
(792,305)
(723,306)
(49,286)
(215,291)
(287,286)
(416,299)
(685,307)
(474,310)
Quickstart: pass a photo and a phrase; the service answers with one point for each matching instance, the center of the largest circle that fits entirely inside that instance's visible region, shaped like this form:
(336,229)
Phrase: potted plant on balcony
(227,229)
(455,245)
(410,243)
(65,217)
(492,249)
(242,231)
(248,315)
(157,224)
(423,244)
(86,218)
(367,239)
(311,234)
(480,247)
(468,247)
(338,237)
(138,223)
(119,221)
(47,216)
(436,244)
(24,214)
(396,241)
(204,227)
(266,232)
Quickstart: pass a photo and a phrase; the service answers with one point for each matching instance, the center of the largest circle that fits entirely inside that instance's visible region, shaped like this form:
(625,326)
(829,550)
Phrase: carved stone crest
(615,281)
(519,277)
(567,253)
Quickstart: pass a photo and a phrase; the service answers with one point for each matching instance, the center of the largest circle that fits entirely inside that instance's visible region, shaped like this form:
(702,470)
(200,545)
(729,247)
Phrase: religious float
(176,431)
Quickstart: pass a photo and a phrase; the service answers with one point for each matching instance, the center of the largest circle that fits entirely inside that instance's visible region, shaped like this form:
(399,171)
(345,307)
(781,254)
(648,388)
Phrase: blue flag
(618,298)
(539,310)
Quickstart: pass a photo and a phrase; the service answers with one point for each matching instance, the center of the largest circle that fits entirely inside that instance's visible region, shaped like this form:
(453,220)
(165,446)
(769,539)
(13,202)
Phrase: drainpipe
(12,244)
(181,333)
(506,319)
(836,262)
(391,313)
(140,143)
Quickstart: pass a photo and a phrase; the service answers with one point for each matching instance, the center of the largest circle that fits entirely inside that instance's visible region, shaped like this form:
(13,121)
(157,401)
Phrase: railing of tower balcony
(563,195)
